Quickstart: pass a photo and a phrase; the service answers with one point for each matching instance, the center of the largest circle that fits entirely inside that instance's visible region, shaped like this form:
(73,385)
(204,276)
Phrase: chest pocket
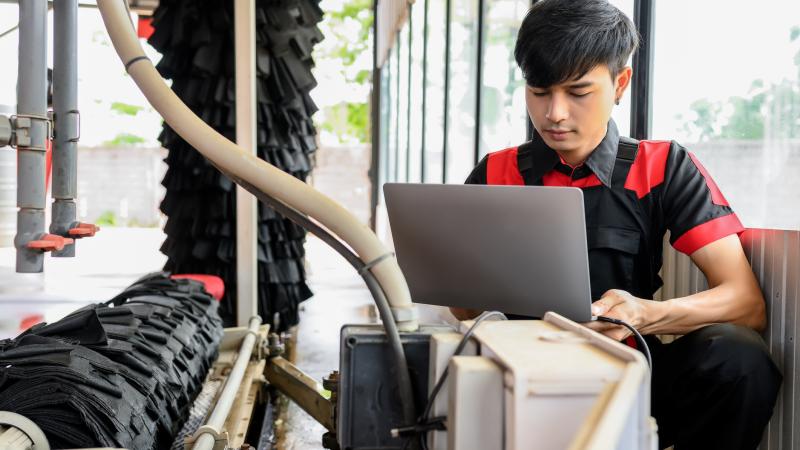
(612,253)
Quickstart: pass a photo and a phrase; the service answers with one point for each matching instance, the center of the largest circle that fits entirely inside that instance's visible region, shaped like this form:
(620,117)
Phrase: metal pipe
(32,132)
(66,118)
(253,173)
(205,440)
(246,205)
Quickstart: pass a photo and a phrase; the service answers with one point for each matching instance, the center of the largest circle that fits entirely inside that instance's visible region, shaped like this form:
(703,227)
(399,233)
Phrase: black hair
(561,40)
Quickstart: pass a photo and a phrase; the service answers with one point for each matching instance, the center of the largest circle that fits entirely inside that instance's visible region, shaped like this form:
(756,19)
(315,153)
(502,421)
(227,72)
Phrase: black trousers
(714,388)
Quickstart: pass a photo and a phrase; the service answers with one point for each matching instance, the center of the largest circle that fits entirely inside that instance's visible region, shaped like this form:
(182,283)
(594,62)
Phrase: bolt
(329,441)
(331,383)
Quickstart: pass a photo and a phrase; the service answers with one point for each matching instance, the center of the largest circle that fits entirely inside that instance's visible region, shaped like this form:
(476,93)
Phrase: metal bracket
(302,389)
(22,124)
(72,116)
(76,136)
(6,131)
(220,438)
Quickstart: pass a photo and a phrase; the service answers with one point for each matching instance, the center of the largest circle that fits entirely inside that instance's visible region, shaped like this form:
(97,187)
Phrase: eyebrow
(577,85)
(580,85)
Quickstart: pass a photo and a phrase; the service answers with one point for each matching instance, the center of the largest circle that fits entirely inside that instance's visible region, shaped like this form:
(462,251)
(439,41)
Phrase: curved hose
(287,195)
(385,312)
(249,171)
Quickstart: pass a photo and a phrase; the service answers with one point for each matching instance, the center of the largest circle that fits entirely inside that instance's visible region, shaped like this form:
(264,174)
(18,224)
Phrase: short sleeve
(695,211)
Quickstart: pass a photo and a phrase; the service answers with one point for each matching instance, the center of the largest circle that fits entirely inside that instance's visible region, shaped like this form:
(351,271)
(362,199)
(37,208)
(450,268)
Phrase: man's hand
(618,304)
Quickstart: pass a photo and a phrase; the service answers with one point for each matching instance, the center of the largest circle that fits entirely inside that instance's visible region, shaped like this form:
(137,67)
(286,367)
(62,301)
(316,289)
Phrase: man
(714,387)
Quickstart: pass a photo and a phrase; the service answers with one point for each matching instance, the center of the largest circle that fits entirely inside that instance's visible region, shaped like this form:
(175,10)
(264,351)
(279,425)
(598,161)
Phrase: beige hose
(249,170)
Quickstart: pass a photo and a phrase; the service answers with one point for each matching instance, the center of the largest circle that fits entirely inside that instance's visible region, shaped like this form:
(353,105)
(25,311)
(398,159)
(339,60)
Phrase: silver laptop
(515,249)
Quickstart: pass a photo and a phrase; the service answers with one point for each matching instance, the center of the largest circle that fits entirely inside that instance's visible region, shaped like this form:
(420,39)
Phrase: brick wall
(342,172)
(124,181)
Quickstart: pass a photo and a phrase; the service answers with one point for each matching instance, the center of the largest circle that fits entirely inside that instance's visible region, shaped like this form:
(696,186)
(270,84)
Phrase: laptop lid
(515,249)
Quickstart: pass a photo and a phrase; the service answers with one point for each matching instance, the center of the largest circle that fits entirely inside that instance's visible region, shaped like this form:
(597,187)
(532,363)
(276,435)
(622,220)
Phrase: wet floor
(103,266)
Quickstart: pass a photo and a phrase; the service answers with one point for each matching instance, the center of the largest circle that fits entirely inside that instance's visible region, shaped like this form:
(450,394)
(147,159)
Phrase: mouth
(557,134)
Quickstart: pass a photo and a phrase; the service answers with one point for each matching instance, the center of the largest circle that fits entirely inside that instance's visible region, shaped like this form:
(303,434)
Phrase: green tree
(772,110)
(349,121)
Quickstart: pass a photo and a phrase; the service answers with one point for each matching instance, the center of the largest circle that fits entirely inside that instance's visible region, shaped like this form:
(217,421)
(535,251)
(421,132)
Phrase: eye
(575,94)
(539,94)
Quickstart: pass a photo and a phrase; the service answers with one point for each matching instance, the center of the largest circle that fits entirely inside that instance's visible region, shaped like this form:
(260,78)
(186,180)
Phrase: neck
(579,156)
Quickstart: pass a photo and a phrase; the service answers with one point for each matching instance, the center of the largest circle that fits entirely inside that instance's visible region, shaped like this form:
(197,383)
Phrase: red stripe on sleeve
(145,28)
(716,195)
(647,171)
(706,233)
(502,168)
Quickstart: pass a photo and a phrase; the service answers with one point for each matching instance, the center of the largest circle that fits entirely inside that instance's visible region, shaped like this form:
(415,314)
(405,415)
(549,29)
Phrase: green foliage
(107,219)
(355,11)
(124,140)
(126,109)
(348,120)
(747,121)
(745,117)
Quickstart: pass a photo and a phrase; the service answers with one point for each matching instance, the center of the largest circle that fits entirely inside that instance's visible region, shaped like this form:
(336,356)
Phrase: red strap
(213,284)
(630,341)
(145,28)
(502,168)
(29,321)
(647,171)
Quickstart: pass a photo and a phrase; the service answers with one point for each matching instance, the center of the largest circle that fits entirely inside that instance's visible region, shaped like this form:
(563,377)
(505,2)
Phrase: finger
(618,334)
(600,327)
(608,301)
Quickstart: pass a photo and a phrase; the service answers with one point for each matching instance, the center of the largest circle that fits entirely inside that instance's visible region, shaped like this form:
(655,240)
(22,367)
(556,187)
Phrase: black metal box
(369,399)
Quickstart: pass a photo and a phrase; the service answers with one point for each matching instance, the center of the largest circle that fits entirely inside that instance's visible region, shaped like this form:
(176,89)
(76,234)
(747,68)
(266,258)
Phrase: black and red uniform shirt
(634,192)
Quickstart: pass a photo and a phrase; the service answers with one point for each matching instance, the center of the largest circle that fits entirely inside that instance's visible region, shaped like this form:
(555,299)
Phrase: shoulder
(500,161)
(650,166)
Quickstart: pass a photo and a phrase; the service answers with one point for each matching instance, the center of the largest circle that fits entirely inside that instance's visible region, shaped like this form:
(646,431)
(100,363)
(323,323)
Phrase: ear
(623,80)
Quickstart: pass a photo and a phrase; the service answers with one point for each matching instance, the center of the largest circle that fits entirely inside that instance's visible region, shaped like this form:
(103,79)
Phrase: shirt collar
(600,162)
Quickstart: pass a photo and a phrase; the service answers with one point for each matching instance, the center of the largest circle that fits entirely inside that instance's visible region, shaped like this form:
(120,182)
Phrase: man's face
(572,116)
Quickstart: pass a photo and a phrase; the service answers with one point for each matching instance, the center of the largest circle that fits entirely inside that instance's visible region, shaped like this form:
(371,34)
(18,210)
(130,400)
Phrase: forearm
(738,303)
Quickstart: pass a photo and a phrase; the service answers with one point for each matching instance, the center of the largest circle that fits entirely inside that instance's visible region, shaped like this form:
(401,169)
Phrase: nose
(557,109)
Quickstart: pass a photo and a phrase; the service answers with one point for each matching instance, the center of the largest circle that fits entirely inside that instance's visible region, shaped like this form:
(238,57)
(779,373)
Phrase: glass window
(503,117)
(394,88)
(385,118)
(401,173)
(734,100)
(415,108)
(436,40)
(460,153)
(622,112)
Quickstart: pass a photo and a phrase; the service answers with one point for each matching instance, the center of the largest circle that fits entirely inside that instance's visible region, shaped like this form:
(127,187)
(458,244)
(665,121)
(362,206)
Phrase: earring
(616,102)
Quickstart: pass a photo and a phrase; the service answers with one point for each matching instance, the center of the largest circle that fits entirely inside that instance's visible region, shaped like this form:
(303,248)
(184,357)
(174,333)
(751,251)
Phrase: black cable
(422,427)
(640,342)
(378,295)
